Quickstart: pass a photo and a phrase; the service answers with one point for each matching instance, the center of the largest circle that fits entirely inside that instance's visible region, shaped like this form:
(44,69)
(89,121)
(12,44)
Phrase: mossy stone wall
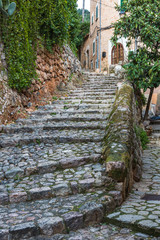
(122,148)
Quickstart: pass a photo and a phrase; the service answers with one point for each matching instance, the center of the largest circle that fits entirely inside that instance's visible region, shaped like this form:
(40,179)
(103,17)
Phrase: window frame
(97,13)
(92,19)
(94,47)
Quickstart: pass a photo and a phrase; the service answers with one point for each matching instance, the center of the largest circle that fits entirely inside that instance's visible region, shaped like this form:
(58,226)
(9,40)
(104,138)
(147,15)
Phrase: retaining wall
(122,147)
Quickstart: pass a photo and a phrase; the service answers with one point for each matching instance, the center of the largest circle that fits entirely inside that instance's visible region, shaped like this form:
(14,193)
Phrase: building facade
(98,52)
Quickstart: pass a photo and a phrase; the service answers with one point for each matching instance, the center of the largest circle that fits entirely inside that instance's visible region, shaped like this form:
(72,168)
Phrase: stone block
(116,170)
(3,198)
(14,172)
(109,203)
(18,197)
(47,167)
(4,234)
(86,183)
(23,231)
(51,225)
(93,213)
(61,189)
(73,220)
(74,187)
(40,193)
(117,195)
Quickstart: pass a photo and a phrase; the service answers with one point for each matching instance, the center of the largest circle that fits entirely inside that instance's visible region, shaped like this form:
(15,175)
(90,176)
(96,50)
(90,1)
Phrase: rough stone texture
(53,179)
(73,220)
(56,71)
(136,213)
(122,147)
(117,70)
(51,225)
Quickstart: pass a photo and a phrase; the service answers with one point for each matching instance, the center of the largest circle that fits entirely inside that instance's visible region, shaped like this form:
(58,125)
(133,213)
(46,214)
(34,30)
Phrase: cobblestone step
(53,216)
(69,113)
(84,101)
(62,120)
(86,178)
(51,173)
(44,158)
(57,136)
(59,125)
(78,106)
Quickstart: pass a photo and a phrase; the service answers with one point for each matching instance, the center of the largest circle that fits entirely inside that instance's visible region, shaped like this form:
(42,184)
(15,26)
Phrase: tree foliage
(141,21)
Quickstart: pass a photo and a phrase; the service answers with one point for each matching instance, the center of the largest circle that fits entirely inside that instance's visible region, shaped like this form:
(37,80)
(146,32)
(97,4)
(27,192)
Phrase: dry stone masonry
(137,213)
(122,151)
(55,71)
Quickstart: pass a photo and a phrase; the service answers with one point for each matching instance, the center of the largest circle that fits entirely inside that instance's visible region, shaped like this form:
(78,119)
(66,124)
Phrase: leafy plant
(7,8)
(143,136)
(141,22)
(44,23)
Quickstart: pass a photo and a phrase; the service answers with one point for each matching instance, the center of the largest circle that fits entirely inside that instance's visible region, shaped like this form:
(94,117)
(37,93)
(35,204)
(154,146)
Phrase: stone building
(98,51)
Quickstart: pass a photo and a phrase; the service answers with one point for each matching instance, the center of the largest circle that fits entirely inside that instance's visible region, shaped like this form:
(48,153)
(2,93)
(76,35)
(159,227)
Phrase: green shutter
(97,12)
(93,48)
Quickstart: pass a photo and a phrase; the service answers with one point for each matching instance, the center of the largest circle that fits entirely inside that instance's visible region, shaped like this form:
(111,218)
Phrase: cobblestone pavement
(52,176)
(135,212)
(52,181)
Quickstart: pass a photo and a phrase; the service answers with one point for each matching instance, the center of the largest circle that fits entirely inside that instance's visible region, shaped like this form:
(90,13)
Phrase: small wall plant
(7,8)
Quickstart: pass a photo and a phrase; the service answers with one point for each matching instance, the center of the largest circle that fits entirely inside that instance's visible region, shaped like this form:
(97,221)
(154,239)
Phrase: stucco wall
(108,16)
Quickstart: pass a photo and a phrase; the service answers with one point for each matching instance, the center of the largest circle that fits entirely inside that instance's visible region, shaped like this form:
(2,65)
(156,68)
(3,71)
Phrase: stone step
(53,216)
(94,90)
(58,125)
(105,85)
(44,157)
(67,112)
(78,106)
(55,136)
(86,178)
(54,118)
(84,101)
(89,97)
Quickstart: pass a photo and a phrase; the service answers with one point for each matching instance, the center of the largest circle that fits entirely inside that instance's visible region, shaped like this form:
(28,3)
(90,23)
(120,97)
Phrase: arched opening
(117,54)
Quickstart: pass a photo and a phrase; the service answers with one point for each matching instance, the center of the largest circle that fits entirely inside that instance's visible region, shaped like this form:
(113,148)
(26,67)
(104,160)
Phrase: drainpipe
(100,37)
(97,49)
(83,11)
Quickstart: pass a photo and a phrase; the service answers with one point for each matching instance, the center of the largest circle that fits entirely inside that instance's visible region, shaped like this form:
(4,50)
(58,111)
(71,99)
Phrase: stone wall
(122,148)
(56,72)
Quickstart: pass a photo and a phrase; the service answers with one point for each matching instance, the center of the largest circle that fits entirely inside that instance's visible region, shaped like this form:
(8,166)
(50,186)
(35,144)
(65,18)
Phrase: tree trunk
(148,103)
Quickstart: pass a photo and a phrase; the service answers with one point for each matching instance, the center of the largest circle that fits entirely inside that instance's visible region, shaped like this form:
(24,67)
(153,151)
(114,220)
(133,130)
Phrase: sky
(87,4)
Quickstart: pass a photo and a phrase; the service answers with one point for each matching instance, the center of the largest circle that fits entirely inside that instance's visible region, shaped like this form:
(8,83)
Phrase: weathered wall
(122,148)
(109,15)
(55,72)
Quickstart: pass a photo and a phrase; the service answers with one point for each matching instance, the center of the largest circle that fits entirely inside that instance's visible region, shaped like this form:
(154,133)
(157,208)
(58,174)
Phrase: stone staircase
(53,179)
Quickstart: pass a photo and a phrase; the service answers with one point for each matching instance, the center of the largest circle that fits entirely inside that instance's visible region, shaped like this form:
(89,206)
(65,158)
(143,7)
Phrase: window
(92,18)
(94,47)
(97,12)
(117,54)
(92,64)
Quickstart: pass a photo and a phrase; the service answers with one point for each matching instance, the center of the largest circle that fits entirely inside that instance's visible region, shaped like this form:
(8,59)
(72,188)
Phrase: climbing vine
(46,22)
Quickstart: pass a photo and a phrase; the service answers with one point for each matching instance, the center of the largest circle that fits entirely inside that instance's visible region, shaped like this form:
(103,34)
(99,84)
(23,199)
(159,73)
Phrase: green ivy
(19,36)
(48,22)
